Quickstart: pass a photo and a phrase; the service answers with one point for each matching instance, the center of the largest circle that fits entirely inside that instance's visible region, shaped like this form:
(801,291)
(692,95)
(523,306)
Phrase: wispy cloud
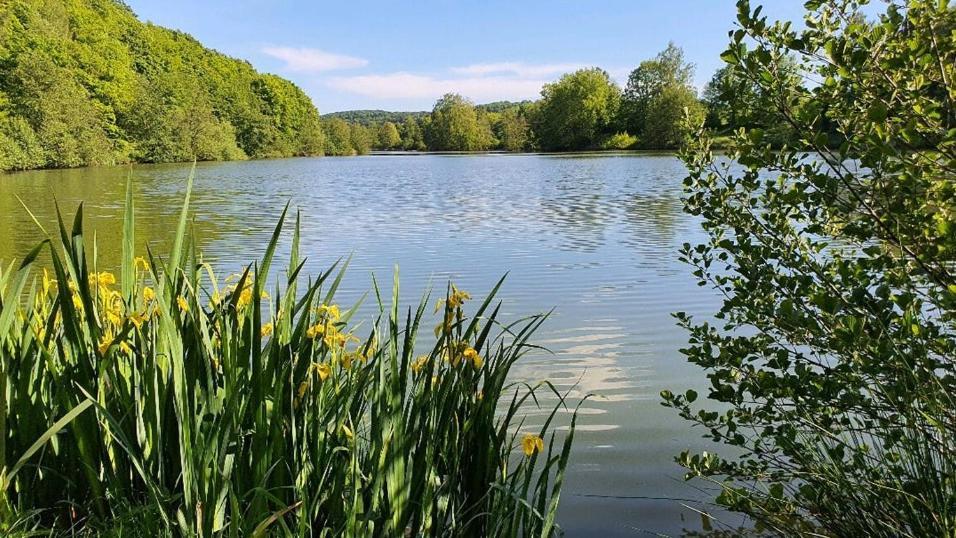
(403,85)
(517,69)
(306,60)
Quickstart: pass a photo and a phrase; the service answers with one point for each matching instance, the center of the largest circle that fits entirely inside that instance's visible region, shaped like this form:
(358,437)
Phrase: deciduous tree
(833,357)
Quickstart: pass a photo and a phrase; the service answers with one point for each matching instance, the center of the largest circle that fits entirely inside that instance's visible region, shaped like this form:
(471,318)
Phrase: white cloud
(404,85)
(518,69)
(308,60)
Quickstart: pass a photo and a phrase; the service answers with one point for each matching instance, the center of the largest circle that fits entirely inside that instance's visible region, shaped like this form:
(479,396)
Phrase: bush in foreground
(164,401)
(833,356)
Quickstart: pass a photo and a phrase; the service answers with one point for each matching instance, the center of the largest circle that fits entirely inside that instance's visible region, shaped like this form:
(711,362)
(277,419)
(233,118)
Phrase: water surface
(594,237)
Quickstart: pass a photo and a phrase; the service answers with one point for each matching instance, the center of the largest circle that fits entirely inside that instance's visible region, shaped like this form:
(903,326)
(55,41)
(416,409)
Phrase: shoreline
(377,153)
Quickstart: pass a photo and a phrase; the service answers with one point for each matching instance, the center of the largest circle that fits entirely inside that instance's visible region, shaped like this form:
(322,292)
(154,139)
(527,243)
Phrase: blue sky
(404,55)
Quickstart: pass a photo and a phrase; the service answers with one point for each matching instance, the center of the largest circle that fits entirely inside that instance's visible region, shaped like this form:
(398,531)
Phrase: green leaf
(6,480)
(877,112)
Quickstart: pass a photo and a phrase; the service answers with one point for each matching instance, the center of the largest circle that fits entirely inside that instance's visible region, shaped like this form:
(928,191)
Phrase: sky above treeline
(404,55)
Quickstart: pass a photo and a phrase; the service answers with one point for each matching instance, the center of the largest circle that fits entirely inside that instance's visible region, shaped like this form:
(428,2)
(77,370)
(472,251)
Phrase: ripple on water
(594,238)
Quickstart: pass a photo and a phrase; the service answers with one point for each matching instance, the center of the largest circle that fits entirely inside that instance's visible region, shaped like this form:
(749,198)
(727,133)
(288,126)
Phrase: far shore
(381,153)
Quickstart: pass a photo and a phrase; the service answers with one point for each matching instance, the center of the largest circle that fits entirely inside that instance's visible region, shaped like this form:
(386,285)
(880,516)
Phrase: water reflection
(593,237)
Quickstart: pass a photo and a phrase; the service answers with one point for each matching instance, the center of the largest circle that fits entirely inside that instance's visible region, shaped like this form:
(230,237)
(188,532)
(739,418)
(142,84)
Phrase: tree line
(87,83)
(583,110)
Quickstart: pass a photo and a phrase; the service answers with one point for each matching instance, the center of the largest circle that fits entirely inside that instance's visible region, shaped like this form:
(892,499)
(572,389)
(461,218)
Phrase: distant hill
(499,106)
(368,117)
(86,83)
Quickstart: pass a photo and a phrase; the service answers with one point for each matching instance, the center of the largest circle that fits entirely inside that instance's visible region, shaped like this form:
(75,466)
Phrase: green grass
(167,401)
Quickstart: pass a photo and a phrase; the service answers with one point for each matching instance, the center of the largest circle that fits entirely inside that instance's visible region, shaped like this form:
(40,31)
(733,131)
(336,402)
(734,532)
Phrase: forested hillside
(84,82)
(368,117)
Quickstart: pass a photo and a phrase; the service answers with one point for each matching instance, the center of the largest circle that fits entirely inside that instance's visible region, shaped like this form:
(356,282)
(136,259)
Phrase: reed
(166,400)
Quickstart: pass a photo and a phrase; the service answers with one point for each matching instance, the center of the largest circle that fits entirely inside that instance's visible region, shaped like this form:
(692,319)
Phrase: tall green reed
(194,406)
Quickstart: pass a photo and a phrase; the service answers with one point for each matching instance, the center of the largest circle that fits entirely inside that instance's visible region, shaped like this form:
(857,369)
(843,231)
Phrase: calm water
(594,237)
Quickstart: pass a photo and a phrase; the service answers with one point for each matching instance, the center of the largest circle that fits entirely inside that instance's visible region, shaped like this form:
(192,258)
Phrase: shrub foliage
(833,354)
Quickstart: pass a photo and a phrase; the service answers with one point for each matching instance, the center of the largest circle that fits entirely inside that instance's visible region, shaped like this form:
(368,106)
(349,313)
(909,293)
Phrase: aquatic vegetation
(163,399)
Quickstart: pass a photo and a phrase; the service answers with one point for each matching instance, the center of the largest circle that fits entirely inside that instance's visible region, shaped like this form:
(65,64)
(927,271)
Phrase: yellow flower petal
(104,279)
(138,318)
(419,363)
(531,444)
(105,341)
(472,356)
(304,386)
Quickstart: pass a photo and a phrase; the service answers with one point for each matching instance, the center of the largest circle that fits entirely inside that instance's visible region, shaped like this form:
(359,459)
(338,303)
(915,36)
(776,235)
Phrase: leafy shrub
(834,354)
(619,141)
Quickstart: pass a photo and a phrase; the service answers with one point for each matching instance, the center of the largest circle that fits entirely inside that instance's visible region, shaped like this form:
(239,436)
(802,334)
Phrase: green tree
(68,124)
(295,120)
(338,137)
(388,137)
(733,101)
(20,148)
(361,139)
(577,110)
(96,86)
(413,139)
(833,357)
(675,113)
(176,123)
(512,130)
(647,82)
(456,126)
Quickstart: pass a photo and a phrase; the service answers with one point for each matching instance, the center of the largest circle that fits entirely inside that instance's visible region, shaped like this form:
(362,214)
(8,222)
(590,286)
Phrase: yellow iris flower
(105,341)
(245,297)
(331,311)
(531,444)
(138,319)
(472,356)
(315,331)
(455,300)
(419,363)
(103,279)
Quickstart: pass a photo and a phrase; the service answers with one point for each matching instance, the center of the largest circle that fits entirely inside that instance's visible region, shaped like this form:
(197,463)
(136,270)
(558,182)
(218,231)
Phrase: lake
(594,237)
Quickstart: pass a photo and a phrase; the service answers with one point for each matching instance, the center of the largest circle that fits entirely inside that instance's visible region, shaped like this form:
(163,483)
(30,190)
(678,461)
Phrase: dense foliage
(370,117)
(457,125)
(577,110)
(167,402)
(583,110)
(833,357)
(84,83)
(657,95)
